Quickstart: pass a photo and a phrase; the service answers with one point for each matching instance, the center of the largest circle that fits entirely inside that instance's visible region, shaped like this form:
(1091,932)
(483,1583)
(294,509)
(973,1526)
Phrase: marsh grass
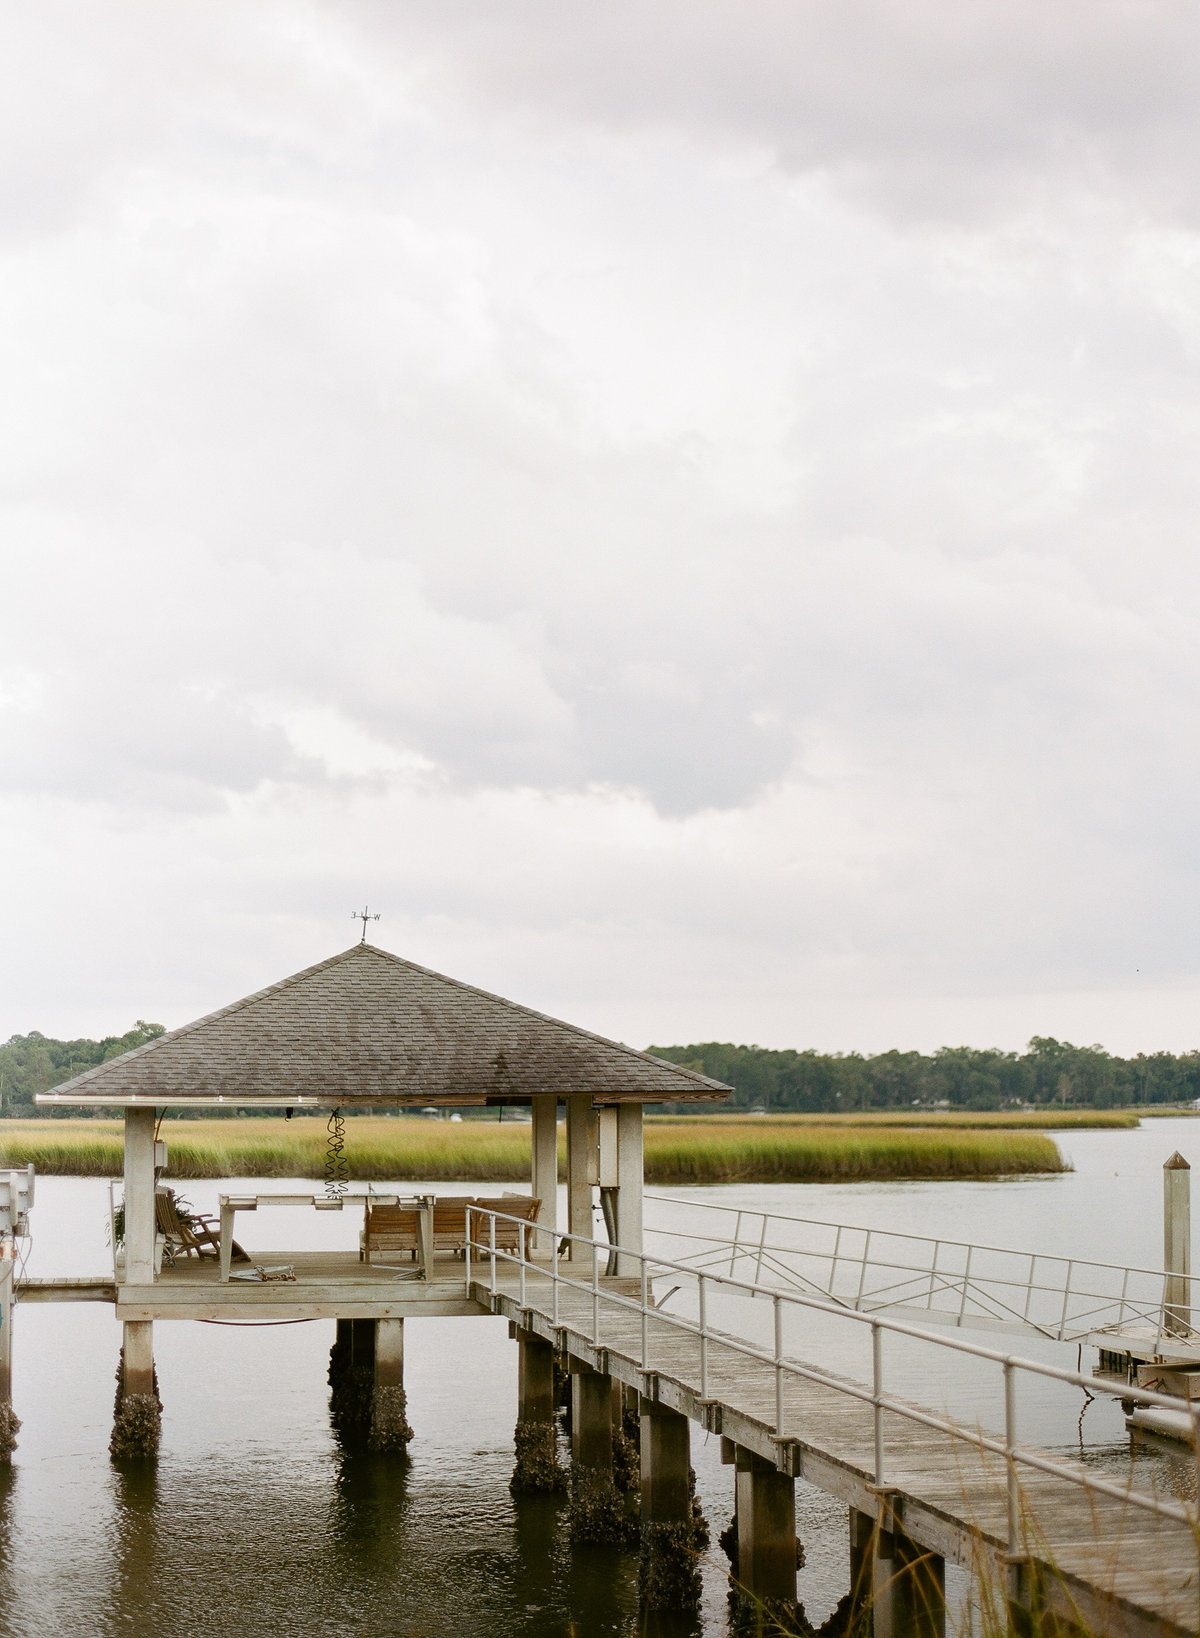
(1046,1120)
(381,1149)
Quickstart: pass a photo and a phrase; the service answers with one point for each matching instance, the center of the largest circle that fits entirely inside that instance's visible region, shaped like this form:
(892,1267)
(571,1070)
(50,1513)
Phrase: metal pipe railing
(1006,1448)
(1007,1298)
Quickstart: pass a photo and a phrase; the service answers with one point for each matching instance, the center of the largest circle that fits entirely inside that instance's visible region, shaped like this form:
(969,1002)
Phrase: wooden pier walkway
(1100,1562)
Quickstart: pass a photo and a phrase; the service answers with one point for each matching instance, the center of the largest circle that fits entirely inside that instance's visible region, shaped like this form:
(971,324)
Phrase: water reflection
(256,1521)
(133,1533)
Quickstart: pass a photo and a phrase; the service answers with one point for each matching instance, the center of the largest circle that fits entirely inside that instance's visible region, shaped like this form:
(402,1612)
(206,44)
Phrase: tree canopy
(33,1063)
(1047,1072)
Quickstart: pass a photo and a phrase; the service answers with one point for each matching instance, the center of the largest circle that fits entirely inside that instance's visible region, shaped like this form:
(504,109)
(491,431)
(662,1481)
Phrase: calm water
(255,1522)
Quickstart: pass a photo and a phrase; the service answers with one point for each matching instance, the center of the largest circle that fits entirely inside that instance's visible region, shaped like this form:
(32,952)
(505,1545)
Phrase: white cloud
(694,514)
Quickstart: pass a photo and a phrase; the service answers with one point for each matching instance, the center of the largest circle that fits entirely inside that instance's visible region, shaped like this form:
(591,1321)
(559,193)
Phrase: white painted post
(139,1196)
(389,1353)
(582,1170)
(545,1171)
(138,1357)
(7,1266)
(629,1194)
(1177,1245)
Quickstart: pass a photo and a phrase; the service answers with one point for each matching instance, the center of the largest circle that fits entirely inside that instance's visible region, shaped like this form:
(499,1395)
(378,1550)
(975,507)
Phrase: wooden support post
(137,1415)
(582,1171)
(629,1192)
(6,1312)
(389,1353)
(591,1420)
(9,1422)
(138,1356)
(544,1179)
(536,1436)
(389,1429)
(672,1536)
(862,1568)
(666,1460)
(139,1196)
(1177,1245)
(766,1518)
(598,1512)
(535,1378)
(908,1586)
(353,1392)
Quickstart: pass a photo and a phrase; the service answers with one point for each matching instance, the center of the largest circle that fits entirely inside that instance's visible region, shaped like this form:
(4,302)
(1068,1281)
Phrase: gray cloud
(928,110)
(654,493)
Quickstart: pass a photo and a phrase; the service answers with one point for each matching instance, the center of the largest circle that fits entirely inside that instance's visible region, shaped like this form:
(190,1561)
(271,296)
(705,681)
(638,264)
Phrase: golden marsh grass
(386,1149)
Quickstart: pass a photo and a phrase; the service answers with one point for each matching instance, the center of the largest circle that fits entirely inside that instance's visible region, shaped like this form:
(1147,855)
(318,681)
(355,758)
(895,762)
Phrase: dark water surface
(255,1523)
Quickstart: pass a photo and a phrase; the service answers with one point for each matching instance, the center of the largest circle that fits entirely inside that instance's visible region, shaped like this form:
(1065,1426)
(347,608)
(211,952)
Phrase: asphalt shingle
(367,1026)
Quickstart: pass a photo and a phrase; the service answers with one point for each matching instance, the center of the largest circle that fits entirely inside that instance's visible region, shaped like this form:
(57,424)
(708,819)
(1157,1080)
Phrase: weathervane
(364,915)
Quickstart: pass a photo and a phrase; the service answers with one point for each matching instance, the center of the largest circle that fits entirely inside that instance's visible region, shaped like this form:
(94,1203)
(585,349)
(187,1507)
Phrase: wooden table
(230,1204)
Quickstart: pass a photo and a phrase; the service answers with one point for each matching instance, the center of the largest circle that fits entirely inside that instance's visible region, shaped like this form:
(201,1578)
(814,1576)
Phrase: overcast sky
(690,509)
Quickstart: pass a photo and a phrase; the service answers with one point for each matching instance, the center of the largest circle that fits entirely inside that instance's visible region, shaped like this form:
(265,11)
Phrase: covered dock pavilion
(361,1030)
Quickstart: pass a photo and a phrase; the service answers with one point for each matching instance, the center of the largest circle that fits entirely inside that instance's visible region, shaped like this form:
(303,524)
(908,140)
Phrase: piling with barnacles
(137,1412)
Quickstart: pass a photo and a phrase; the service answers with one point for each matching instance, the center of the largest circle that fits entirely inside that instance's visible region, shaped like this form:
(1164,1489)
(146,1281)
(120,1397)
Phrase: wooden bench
(394,1230)
(511,1237)
(390,1229)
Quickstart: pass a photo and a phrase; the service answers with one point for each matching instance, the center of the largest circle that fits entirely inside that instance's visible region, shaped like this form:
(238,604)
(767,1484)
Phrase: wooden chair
(394,1229)
(390,1229)
(196,1236)
(510,1237)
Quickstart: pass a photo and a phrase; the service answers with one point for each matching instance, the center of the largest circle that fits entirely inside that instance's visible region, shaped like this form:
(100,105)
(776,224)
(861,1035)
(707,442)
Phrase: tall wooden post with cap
(1177,1245)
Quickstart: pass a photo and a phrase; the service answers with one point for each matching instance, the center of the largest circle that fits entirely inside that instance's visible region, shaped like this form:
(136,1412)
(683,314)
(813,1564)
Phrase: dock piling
(766,1540)
(9,1421)
(908,1583)
(1177,1245)
(537,1464)
(390,1430)
(672,1536)
(598,1512)
(137,1414)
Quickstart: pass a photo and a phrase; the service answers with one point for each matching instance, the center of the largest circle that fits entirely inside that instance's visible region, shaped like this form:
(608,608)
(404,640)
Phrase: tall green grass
(678,1151)
(1046,1120)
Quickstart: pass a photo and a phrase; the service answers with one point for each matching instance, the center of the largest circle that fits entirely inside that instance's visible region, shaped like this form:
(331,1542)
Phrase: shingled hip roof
(367,1027)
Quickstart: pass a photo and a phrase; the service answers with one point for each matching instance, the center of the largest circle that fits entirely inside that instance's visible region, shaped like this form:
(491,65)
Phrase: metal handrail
(1013,1454)
(1008,1297)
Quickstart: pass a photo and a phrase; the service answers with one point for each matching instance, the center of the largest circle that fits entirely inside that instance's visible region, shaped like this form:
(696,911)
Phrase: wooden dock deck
(1116,1568)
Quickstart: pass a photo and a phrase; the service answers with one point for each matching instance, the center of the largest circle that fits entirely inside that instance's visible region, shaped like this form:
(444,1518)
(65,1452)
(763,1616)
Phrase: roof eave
(98,1100)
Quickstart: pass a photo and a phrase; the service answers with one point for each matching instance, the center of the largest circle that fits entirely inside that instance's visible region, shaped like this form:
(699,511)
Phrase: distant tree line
(33,1063)
(1047,1072)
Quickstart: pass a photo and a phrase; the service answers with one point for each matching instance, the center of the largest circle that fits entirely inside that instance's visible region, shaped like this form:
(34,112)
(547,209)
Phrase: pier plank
(1109,1565)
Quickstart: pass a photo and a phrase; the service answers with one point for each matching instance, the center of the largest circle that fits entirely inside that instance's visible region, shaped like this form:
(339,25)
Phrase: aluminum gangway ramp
(1047,1531)
(936,1281)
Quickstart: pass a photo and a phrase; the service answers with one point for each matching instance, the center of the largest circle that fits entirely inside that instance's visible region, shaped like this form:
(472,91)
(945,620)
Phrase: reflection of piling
(137,1413)
(535,1437)
(9,1421)
(1177,1245)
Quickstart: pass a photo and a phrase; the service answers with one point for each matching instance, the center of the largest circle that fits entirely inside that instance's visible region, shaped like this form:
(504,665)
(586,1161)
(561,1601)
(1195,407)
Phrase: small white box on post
(16,1199)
